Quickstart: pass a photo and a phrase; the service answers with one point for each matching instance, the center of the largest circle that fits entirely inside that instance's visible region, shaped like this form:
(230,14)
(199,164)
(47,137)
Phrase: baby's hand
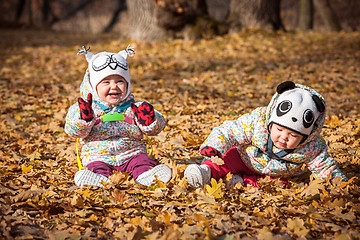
(209,152)
(86,111)
(144,113)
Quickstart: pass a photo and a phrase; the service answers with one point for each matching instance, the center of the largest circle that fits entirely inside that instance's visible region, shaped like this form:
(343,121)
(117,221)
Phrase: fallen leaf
(214,189)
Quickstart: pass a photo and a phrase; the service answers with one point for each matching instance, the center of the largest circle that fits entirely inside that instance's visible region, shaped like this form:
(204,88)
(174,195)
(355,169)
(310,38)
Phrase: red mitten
(144,113)
(86,111)
(209,152)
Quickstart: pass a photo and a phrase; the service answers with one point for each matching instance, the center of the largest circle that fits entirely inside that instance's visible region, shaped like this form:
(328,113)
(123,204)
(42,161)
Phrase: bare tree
(327,15)
(255,13)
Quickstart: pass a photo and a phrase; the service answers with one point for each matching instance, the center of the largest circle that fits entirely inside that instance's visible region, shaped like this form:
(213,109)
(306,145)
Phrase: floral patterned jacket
(112,142)
(249,133)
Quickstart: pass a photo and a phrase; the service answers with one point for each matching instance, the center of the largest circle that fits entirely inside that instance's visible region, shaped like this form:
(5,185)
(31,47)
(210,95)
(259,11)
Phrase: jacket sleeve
(154,128)
(232,133)
(75,126)
(323,164)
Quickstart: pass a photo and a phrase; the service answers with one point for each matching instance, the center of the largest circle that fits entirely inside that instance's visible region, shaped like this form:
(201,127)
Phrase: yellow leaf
(201,219)
(214,190)
(26,169)
(136,221)
(166,218)
(183,183)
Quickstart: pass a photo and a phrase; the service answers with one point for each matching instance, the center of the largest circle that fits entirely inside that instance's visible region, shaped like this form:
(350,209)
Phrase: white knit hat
(104,64)
(296,109)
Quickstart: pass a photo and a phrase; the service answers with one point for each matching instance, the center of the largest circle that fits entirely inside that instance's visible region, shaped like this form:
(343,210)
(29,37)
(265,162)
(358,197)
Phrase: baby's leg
(101,168)
(144,169)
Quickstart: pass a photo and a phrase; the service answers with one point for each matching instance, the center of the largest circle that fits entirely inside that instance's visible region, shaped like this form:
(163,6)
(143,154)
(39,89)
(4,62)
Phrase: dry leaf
(217,160)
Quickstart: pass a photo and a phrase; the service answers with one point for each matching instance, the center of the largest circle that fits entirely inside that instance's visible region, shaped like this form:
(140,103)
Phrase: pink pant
(136,165)
(234,165)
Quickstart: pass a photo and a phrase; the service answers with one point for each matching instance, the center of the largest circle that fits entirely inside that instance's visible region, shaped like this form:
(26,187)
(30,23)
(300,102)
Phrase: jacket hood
(318,122)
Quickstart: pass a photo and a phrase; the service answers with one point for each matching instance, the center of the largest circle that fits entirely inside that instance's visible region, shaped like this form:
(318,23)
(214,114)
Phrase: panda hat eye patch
(283,108)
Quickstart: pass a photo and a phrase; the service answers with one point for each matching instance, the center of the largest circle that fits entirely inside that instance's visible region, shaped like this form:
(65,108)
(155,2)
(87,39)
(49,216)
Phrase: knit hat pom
(88,55)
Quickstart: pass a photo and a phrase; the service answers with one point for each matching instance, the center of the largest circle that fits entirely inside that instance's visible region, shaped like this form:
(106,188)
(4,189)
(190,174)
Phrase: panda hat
(104,64)
(296,109)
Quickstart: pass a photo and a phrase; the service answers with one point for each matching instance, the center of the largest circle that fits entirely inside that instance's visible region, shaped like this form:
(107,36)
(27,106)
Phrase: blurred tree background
(153,20)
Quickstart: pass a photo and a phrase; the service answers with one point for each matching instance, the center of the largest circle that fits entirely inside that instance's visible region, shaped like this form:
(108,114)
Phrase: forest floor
(197,85)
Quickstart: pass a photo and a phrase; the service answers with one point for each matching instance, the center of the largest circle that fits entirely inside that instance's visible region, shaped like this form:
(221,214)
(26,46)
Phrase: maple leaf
(214,189)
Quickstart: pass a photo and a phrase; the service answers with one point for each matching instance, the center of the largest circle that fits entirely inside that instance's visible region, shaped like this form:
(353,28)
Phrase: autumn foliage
(196,85)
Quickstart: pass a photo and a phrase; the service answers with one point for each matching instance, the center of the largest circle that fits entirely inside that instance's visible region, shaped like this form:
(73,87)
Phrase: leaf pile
(196,85)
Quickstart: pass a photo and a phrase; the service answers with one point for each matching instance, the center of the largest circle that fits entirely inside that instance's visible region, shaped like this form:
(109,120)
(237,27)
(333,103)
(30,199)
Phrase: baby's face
(284,138)
(112,89)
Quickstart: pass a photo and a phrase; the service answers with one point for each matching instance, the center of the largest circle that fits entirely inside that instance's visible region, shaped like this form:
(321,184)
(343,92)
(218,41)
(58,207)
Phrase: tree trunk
(255,13)
(143,23)
(19,10)
(218,9)
(327,15)
(120,8)
(306,15)
(71,12)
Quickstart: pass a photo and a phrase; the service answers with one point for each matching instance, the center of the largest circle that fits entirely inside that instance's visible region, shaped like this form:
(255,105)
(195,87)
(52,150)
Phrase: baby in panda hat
(270,141)
(111,124)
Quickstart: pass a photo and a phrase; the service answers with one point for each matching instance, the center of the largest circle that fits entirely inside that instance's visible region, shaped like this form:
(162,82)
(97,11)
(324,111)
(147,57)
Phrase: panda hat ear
(285,86)
(319,104)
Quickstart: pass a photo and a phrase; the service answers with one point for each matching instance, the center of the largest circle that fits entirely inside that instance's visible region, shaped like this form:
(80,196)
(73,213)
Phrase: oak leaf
(314,188)
(296,226)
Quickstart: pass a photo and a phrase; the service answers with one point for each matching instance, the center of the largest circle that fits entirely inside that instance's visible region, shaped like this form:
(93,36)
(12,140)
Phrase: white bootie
(198,175)
(234,180)
(161,171)
(87,177)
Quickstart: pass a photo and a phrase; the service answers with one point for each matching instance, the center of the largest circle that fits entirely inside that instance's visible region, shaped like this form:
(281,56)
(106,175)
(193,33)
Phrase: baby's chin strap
(77,154)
